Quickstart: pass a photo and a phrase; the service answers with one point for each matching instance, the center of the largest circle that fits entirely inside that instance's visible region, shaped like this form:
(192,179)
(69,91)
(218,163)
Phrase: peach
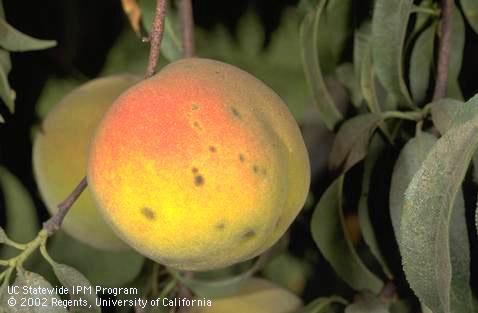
(60,153)
(256,296)
(199,167)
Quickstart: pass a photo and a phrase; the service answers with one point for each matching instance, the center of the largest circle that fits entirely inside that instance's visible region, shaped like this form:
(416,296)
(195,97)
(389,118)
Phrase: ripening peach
(256,296)
(60,155)
(199,167)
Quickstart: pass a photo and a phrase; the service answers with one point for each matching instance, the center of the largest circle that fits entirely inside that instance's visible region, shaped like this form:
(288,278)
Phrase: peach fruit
(199,167)
(60,154)
(256,296)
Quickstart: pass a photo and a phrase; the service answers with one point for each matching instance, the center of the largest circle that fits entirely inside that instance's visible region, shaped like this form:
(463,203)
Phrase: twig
(444,51)
(155,37)
(184,292)
(187,27)
(389,291)
(54,223)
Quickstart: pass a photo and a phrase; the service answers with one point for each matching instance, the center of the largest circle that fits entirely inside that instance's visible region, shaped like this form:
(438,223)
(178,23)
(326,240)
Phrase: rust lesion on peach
(248,234)
(236,113)
(194,170)
(212,149)
(197,125)
(242,158)
(220,226)
(255,169)
(148,213)
(198,180)
(195,107)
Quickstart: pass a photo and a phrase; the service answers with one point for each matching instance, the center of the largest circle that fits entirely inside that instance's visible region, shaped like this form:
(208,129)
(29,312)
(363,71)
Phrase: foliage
(386,64)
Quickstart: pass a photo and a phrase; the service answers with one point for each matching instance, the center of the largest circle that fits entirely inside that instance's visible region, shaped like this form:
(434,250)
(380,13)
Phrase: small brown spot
(236,113)
(212,149)
(198,180)
(195,170)
(255,168)
(220,226)
(148,213)
(242,158)
(196,124)
(195,107)
(250,233)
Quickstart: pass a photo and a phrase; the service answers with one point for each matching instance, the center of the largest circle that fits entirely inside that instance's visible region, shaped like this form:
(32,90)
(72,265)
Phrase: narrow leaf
(409,161)
(41,303)
(470,8)
(367,81)
(345,74)
(389,26)
(312,67)
(367,303)
(351,143)
(324,305)
(444,112)
(327,228)
(71,279)
(21,214)
(6,92)
(428,218)
(14,40)
(376,147)
(103,268)
(336,15)
(457,45)
(421,63)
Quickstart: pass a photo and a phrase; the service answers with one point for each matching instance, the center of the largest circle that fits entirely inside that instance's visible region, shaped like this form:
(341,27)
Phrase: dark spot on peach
(212,149)
(248,234)
(255,168)
(196,124)
(220,226)
(194,170)
(198,180)
(264,172)
(194,107)
(236,113)
(242,158)
(148,213)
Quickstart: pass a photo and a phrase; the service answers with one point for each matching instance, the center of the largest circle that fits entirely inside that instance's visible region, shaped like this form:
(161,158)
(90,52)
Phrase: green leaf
(367,303)
(361,45)
(457,45)
(444,112)
(171,45)
(312,67)
(6,92)
(376,147)
(327,228)
(221,287)
(3,236)
(389,26)
(345,74)
(43,303)
(333,31)
(324,305)
(102,268)
(72,279)
(367,81)
(351,143)
(433,238)
(14,40)
(470,8)
(21,214)
(295,278)
(421,63)
(409,161)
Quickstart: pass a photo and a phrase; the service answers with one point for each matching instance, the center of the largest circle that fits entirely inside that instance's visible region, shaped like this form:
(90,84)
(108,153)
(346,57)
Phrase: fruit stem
(187,27)
(444,50)
(54,223)
(155,37)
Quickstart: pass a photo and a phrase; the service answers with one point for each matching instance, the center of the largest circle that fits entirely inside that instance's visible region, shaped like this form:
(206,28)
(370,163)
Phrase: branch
(54,223)
(155,37)
(187,27)
(444,51)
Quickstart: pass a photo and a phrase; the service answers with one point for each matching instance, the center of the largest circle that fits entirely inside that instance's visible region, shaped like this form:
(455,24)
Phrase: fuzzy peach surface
(199,167)
(256,296)
(60,154)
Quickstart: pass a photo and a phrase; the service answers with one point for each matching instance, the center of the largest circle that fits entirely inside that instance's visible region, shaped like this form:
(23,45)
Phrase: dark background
(87,29)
